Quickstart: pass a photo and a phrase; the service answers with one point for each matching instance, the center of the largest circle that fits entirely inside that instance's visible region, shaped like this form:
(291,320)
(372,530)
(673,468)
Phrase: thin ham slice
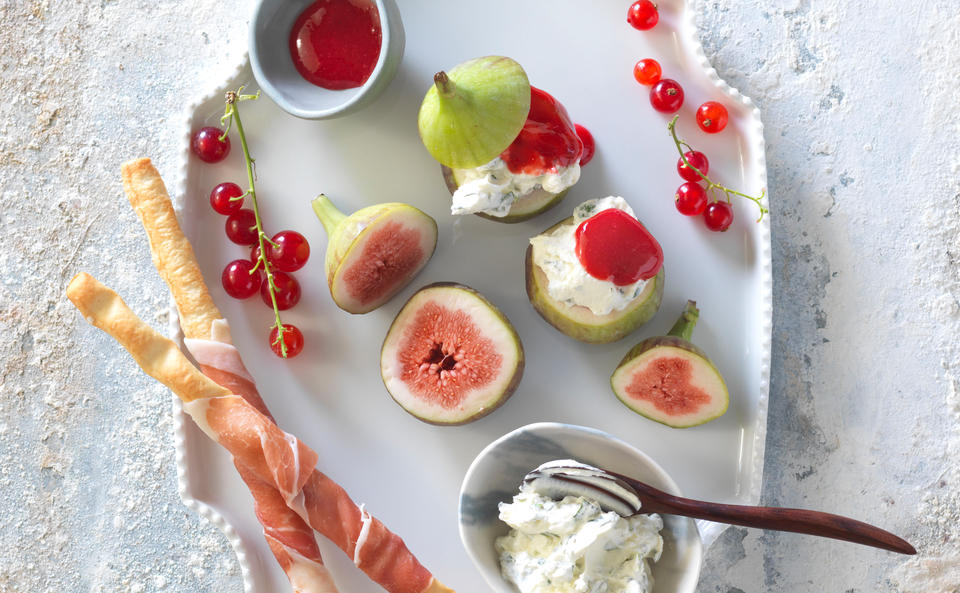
(262,451)
(290,539)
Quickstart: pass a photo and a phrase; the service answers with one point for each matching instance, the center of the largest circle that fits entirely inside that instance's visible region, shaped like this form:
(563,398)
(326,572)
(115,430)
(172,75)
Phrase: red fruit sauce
(589,144)
(547,141)
(335,44)
(614,246)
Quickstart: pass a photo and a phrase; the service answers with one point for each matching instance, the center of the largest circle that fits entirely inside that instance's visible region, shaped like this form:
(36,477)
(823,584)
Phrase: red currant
(718,216)
(255,254)
(712,117)
(208,146)
(241,227)
(292,339)
(288,291)
(643,15)
(696,159)
(289,251)
(647,72)
(691,199)
(237,280)
(589,144)
(221,198)
(666,95)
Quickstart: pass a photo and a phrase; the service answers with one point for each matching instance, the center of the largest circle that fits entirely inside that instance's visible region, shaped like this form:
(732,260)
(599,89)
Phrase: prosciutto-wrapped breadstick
(258,445)
(290,539)
(325,505)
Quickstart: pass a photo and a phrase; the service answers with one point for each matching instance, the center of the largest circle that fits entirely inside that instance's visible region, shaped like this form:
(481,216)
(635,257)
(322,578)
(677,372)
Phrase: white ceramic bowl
(496,473)
(278,77)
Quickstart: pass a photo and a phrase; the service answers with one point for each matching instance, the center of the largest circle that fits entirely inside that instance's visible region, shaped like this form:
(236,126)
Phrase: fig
(530,205)
(450,356)
(580,322)
(671,381)
(375,252)
(472,114)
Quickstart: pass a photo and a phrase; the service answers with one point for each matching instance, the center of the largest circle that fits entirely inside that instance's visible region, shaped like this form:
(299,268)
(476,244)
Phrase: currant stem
(712,186)
(232,115)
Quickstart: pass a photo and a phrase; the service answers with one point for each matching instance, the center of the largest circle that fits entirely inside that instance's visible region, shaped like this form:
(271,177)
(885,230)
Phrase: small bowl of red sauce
(319,59)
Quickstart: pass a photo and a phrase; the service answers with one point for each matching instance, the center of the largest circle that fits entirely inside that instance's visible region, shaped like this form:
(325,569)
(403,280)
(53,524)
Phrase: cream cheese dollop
(567,279)
(572,545)
(492,188)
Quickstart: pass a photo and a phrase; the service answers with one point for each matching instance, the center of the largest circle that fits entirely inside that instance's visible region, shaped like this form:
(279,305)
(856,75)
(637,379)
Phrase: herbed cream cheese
(572,545)
(567,280)
(493,188)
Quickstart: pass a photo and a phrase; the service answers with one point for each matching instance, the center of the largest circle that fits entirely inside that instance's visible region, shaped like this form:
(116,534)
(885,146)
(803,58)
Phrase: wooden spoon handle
(779,519)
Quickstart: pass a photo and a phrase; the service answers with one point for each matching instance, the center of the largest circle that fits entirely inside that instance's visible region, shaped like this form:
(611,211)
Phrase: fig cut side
(532,204)
(450,356)
(375,252)
(669,380)
(580,323)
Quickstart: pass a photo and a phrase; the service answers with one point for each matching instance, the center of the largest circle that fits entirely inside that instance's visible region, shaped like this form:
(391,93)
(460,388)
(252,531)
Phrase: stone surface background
(860,102)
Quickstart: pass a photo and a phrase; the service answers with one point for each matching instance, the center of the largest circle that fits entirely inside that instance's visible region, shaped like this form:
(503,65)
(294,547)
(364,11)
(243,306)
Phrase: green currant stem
(232,115)
(712,186)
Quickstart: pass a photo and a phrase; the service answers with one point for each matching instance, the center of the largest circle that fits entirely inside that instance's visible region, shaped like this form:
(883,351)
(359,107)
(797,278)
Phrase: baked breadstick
(172,254)
(259,447)
(238,424)
(157,356)
(290,539)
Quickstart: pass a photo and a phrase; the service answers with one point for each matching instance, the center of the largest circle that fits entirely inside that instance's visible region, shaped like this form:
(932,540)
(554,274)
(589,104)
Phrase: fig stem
(445,86)
(328,214)
(683,328)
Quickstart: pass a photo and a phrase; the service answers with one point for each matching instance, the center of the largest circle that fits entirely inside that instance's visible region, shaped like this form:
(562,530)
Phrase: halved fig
(450,356)
(473,112)
(580,322)
(375,252)
(530,205)
(671,381)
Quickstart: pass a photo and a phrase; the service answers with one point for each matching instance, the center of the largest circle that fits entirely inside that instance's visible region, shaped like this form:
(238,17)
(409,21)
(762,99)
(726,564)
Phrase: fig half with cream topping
(582,306)
(450,356)
(375,252)
(669,380)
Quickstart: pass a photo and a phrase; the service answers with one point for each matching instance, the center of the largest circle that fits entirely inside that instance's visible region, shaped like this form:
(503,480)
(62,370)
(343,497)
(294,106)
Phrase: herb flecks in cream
(572,545)
(567,280)
(493,188)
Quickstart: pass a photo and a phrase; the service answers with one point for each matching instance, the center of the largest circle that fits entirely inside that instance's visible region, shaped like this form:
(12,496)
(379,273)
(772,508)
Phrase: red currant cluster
(691,198)
(286,251)
(666,96)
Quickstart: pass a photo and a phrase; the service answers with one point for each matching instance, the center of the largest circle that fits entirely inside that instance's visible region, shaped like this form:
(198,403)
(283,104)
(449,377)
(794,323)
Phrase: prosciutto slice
(261,450)
(290,539)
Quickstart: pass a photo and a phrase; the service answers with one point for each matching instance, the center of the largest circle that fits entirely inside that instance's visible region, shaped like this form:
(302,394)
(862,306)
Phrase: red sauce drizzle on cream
(335,44)
(547,141)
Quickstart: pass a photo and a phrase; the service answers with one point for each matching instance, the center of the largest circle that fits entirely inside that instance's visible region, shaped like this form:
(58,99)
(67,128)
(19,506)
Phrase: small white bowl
(274,70)
(496,473)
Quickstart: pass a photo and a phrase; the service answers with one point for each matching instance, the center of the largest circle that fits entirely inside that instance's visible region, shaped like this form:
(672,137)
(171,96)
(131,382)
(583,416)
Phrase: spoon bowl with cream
(497,473)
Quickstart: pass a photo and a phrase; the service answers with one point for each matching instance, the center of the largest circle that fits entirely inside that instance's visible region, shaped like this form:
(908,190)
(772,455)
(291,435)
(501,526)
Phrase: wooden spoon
(629,496)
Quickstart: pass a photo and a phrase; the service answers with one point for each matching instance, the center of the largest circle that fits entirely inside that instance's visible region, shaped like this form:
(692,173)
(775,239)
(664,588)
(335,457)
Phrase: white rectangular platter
(407,472)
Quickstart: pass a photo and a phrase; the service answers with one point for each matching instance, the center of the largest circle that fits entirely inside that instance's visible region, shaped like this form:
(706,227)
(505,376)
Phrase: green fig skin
(676,343)
(533,204)
(473,112)
(508,389)
(591,328)
(347,233)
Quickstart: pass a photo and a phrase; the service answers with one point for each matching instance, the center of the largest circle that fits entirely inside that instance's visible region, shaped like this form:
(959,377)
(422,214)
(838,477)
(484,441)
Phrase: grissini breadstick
(381,554)
(290,539)
(157,356)
(172,253)
(258,445)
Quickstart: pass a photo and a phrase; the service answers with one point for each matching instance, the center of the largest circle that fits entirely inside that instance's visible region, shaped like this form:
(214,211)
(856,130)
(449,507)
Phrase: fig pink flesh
(390,255)
(444,356)
(666,383)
